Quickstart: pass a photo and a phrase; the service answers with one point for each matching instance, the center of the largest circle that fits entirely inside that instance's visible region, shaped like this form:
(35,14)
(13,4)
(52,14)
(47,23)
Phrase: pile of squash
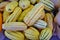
(27,19)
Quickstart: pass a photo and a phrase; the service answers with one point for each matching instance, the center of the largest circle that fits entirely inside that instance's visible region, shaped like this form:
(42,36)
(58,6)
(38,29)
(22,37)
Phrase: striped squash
(46,34)
(48,5)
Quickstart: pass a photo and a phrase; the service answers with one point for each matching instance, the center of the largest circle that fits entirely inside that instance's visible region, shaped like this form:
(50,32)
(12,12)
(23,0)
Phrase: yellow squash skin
(34,14)
(21,17)
(49,6)
(11,6)
(38,1)
(49,19)
(45,34)
(14,35)
(31,33)
(33,1)
(5,15)
(43,14)
(13,17)
(24,4)
(15,26)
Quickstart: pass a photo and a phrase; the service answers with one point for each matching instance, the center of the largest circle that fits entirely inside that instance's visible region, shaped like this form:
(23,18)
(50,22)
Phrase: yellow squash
(45,34)
(24,4)
(49,6)
(49,19)
(13,17)
(31,33)
(14,26)
(21,17)
(34,14)
(11,6)
(5,15)
(14,35)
